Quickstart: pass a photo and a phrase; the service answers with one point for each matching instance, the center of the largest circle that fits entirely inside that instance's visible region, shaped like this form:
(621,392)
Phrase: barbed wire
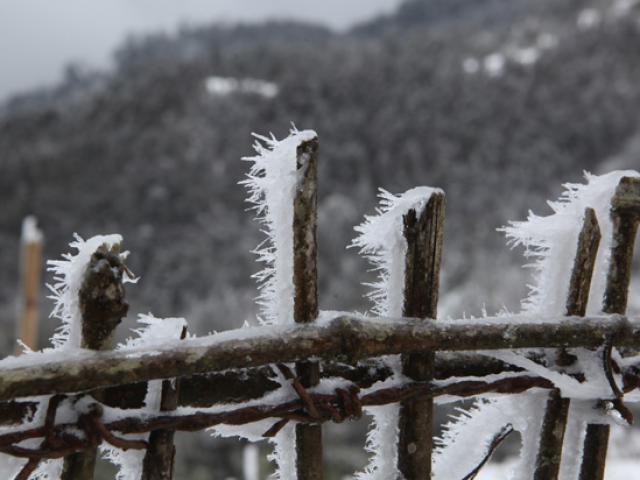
(344,403)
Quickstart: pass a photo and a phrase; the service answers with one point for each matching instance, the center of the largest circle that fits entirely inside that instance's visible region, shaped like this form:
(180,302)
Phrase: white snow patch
(471,65)
(546,41)
(623,7)
(494,64)
(588,18)
(526,55)
(223,86)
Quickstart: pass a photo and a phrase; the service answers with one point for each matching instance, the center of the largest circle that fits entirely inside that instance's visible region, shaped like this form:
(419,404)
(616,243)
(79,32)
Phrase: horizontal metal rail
(345,339)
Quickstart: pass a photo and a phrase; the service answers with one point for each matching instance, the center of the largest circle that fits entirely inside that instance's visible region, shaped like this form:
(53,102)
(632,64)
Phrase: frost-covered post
(282,186)
(423,235)
(160,455)
(557,410)
(403,241)
(102,306)
(625,216)
(305,302)
(31,266)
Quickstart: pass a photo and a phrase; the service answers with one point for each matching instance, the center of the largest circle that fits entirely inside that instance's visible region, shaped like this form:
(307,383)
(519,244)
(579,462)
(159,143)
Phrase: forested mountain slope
(497,102)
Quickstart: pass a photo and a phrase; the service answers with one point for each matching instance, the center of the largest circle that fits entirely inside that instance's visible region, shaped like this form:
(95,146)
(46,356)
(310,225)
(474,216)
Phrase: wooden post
(305,305)
(557,411)
(103,307)
(31,269)
(422,270)
(625,215)
(160,456)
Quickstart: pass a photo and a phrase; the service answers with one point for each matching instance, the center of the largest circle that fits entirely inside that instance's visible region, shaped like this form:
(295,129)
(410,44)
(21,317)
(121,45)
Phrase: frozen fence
(572,367)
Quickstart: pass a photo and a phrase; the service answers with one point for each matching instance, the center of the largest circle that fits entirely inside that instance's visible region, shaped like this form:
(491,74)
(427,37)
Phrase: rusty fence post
(625,216)
(30,272)
(424,235)
(102,304)
(305,304)
(556,413)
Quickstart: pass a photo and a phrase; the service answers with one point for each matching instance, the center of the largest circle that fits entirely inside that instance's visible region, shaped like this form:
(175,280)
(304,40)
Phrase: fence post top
(627,197)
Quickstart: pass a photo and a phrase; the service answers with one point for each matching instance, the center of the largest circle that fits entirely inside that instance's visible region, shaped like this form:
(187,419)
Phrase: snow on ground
(588,18)
(223,86)
(493,64)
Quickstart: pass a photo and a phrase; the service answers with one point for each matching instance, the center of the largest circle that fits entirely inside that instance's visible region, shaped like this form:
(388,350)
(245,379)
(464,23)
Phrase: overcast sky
(38,37)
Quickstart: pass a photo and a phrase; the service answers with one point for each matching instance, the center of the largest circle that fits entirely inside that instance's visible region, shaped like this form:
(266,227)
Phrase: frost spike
(305,302)
(422,269)
(103,307)
(557,409)
(625,216)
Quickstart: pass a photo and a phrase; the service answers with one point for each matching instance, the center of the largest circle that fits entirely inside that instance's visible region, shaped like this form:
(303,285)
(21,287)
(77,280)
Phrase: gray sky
(38,37)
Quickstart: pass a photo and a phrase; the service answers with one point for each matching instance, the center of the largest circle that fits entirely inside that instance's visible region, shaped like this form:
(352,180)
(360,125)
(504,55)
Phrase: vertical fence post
(160,456)
(101,300)
(305,305)
(424,236)
(31,268)
(625,215)
(557,410)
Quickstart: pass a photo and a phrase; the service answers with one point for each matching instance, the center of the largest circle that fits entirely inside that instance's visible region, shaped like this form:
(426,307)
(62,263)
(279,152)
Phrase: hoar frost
(550,242)
(68,276)
(153,333)
(272,183)
(382,242)
(380,239)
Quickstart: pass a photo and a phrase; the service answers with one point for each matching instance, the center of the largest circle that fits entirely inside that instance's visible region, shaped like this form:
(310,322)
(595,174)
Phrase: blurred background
(131,116)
